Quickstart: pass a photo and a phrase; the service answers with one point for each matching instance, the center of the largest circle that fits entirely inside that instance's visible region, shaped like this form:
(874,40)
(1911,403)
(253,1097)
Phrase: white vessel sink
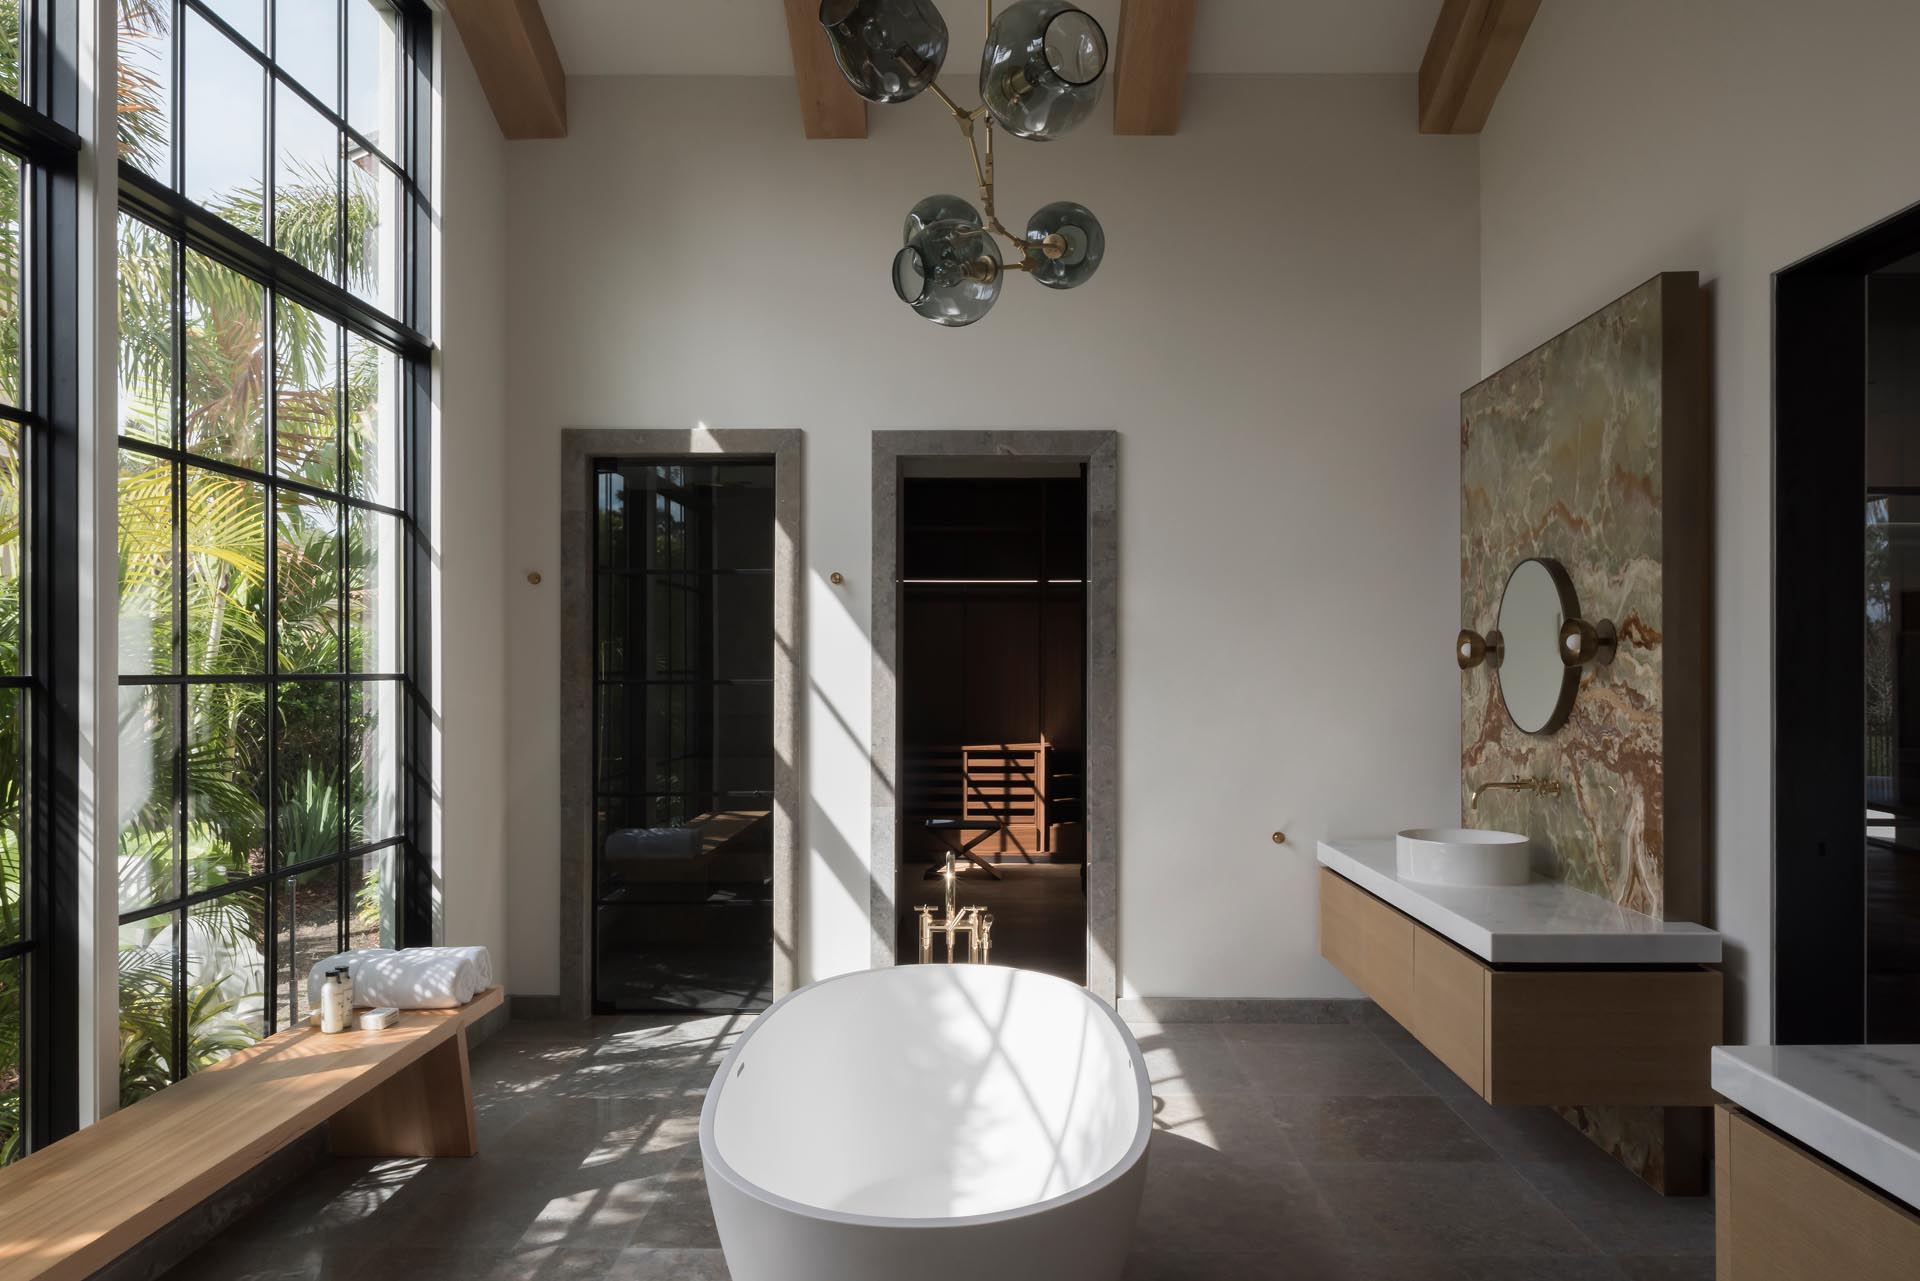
(1462,856)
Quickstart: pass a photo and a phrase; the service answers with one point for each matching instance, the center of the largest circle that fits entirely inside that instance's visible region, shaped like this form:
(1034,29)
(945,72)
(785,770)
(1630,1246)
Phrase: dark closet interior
(992,689)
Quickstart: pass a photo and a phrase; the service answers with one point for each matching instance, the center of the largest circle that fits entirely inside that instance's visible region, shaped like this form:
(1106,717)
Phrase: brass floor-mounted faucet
(974,922)
(1540,786)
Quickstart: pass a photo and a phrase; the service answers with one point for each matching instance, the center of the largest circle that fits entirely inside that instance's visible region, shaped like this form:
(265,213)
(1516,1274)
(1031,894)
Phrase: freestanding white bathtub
(935,1122)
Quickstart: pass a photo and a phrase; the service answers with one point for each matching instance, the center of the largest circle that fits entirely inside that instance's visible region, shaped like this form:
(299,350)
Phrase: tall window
(38,493)
(270,381)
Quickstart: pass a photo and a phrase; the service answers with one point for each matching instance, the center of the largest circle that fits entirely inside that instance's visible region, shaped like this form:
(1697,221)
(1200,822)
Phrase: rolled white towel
(415,978)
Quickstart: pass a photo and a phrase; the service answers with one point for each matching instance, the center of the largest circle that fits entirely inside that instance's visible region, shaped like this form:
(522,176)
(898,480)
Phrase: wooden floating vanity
(1817,1160)
(1533,995)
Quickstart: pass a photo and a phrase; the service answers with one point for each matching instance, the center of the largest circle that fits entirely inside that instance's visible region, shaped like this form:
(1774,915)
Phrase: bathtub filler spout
(975,922)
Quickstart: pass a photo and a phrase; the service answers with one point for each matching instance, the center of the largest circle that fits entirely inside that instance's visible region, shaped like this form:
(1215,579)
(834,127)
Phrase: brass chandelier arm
(958,114)
(1053,247)
(982,165)
(988,215)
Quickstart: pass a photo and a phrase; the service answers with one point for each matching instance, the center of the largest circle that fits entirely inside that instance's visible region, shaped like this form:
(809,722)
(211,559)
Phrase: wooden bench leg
(427,1110)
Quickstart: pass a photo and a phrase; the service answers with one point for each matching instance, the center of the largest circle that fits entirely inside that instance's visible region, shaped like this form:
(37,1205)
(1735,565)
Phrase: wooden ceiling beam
(519,69)
(1150,65)
(829,108)
(1473,47)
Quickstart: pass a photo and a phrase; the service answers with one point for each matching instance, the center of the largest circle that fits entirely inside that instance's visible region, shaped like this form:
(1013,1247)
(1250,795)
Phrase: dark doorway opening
(992,698)
(1847,641)
(683,755)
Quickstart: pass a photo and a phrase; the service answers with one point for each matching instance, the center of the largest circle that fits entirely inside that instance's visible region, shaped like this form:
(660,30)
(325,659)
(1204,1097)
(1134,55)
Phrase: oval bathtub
(939,1122)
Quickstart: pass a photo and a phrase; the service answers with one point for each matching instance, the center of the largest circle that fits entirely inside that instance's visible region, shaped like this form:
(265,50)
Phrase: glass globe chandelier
(1040,74)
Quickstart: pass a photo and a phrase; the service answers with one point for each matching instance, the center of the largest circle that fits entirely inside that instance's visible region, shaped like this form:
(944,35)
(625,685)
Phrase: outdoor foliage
(12,882)
(334,575)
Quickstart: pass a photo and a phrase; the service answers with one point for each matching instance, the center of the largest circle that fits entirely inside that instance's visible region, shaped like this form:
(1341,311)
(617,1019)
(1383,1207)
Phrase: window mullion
(303,495)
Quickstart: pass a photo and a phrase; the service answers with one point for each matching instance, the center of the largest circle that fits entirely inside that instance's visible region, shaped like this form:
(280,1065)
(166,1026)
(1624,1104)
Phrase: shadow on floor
(1324,1151)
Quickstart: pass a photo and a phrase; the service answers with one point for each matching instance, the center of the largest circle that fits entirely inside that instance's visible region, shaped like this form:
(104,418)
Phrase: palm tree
(227,377)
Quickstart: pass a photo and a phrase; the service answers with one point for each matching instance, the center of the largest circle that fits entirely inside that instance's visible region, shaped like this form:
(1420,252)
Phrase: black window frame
(163,208)
(39,129)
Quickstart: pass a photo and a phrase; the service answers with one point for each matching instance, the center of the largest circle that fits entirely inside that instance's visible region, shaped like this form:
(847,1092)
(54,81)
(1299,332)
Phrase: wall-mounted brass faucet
(1540,786)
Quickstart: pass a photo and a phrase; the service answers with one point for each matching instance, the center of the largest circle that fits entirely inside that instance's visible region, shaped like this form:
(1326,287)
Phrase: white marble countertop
(1544,923)
(1856,1105)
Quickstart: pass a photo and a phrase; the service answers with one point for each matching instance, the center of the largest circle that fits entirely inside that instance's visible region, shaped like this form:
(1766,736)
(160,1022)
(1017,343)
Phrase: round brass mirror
(1535,684)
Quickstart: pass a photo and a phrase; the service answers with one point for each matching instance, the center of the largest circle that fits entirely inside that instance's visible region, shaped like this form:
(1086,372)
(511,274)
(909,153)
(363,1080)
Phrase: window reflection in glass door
(683,734)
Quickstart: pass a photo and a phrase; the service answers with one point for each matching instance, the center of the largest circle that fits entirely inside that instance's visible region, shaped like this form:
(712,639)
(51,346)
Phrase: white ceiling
(749,37)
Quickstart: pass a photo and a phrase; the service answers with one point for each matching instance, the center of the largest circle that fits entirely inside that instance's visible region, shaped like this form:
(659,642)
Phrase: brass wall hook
(1583,643)
(1470,649)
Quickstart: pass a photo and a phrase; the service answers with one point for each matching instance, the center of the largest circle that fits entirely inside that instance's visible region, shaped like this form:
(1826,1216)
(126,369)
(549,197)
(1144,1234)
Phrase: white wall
(1282,327)
(469,535)
(1732,137)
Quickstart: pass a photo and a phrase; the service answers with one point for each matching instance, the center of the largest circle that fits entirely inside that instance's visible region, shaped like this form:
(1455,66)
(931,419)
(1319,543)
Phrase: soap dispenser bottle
(332,1017)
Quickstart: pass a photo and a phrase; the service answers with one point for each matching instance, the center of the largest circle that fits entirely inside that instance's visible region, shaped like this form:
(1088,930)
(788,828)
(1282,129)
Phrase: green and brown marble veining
(1562,456)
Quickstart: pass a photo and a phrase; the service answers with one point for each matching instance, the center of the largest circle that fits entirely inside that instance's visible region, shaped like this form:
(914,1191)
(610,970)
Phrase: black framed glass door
(683,734)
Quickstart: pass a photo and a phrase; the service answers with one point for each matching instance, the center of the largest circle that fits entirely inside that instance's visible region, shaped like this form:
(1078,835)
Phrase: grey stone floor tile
(1198,1200)
(1523,1135)
(1444,1210)
(614,1081)
(513,1066)
(1262,1034)
(574,1031)
(1693,1268)
(597,1132)
(547,1264)
(681,1217)
(1387,1128)
(562,1201)
(1370,1013)
(366,1202)
(1622,1215)
(496,1111)
(415,1262)
(1236,1266)
(1359,1067)
(1191,1058)
(1436,1075)
(444,1263)
(305,1259)
(603,1216)
(1489,1268)
(1239,1121)
(641,1264)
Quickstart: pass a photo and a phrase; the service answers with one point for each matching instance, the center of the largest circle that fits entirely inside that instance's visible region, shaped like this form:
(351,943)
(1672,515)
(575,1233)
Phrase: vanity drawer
(1369,942)
(1783,1213)
(1602,1036)
(1450,1006)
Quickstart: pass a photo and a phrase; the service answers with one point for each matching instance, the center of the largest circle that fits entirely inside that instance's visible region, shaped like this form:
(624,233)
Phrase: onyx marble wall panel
(1592,449)
(1571,452)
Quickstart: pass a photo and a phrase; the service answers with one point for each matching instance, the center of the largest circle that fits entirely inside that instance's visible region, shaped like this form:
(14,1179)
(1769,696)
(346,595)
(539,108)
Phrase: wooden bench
(77,1205)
